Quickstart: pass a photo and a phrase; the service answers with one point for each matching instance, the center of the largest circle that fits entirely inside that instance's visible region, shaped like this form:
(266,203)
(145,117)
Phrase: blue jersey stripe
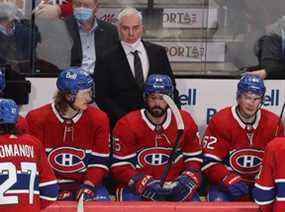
(280,189)
(22,183)
(263,195)
(49,190)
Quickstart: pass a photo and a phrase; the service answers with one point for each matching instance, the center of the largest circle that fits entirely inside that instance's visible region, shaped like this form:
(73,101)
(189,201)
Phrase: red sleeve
(66,9)
(34,125)
(22,124)
(99,168)
(215,149)
(48,184)
(192,150)
(124,157)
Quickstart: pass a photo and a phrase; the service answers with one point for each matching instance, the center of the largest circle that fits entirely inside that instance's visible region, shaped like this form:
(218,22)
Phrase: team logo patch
(246,161)
(156,156)
(67,159)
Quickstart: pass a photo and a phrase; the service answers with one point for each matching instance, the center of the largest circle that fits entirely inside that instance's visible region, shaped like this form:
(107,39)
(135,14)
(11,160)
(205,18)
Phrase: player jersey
(269,191)
(231,145)
(22,124)
(142,147)
(27,182)
(77,148)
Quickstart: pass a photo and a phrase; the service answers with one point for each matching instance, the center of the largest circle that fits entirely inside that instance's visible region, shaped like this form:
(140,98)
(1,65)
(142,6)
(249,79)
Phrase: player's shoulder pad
(277,144)
(129,120)
(96,114)
(30,139)
(39,114)
(269,114)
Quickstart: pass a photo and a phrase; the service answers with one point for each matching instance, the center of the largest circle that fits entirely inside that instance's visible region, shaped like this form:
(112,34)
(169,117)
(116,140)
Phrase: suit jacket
(106,36)
(116,91)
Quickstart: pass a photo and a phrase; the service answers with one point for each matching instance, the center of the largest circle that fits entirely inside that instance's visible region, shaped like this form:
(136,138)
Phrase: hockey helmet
(251,83)
(158,83)
(9,111)
(74,79)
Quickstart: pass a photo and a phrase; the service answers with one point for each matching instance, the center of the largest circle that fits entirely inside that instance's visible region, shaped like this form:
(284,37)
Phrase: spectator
(28,180)
(15,40)
(269,186)
(123,69)
(235,140)
(49,9)
(75,135)
(143,143)
(91,36)
(270,51)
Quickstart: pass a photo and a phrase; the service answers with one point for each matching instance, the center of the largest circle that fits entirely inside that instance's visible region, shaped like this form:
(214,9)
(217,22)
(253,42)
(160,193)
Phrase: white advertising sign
(195,51)
(190,18)
(201,97)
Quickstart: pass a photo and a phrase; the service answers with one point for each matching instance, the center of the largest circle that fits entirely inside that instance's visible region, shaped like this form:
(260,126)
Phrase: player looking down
(234,142)
(27,181)
(143,140)
(75,135)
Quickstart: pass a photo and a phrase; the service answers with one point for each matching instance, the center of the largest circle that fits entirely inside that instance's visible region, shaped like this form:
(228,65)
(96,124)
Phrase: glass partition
(209,38)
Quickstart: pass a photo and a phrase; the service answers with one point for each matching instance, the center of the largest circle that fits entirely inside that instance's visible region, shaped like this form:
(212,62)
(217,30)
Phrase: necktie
(138,69)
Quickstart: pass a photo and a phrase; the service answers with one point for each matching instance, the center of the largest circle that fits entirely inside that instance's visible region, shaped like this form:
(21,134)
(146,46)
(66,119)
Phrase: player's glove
(65,196)
(47,11)
(233,185)
(148,188)
(87,191)
(185,186)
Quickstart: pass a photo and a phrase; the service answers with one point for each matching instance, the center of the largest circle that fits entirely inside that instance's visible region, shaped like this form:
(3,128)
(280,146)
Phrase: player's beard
(157,111)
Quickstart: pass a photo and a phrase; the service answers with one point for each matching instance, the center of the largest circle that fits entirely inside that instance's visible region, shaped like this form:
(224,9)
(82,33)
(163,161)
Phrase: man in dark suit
(118,83)
(91,36)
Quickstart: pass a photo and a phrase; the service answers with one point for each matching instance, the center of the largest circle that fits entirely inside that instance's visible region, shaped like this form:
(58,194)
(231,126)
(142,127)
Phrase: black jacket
(106,36)
(116,91)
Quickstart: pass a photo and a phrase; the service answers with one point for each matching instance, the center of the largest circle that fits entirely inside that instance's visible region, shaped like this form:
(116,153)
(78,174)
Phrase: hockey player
(269,190)
(75,135)
(143,140)
(21,122)
(234,142)
(27,181)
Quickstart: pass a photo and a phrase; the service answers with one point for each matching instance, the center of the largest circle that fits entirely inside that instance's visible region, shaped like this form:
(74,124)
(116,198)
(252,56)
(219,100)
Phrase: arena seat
(65,206)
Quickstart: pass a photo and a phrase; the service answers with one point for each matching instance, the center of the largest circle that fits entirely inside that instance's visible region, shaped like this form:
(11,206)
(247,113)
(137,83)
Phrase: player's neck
(156,120)
(70,113)
(244,118)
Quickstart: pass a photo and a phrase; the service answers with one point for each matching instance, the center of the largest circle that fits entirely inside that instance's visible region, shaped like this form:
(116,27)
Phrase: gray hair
(8,11)
(129,11)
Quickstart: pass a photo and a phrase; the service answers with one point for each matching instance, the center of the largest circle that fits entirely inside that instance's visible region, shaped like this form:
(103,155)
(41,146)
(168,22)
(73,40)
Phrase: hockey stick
(279,120)
(180,130)
(80,205)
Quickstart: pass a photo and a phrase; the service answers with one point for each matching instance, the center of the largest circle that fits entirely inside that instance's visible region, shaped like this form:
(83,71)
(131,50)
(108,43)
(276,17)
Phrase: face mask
(83,14)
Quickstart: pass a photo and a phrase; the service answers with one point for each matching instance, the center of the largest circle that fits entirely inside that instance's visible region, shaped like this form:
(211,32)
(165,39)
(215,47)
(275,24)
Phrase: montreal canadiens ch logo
(156,156)
(246,161)
(66,159)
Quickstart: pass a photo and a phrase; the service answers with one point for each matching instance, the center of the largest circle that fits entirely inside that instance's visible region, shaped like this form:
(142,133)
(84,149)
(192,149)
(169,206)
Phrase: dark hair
(10,129)
(61,102)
